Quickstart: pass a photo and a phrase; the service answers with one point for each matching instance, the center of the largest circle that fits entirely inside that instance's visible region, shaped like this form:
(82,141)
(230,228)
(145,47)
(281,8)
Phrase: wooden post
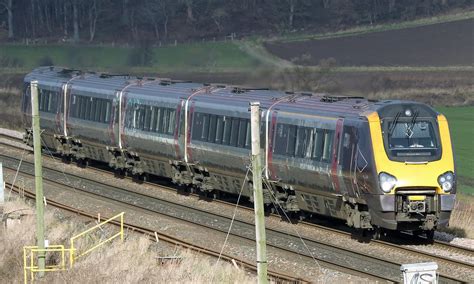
(258,193)
(38,176)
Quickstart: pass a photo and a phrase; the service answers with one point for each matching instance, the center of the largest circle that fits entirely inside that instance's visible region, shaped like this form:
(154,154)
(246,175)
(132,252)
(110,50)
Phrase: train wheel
(119,173)
(83,163)
(66,159)
(378,233)
(430,235)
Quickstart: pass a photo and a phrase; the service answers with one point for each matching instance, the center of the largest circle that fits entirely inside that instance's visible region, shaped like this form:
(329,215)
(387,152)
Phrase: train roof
(231,96)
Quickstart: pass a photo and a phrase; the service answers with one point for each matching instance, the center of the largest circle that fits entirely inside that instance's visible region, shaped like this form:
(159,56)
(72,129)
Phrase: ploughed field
(443,44)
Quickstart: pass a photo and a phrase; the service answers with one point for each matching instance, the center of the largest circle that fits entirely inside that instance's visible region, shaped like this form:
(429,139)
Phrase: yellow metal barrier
(73,255)
(31,252)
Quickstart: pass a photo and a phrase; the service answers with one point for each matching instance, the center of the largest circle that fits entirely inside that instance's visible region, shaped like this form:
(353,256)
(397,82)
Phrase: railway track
(410,238)
(277,276)
(390,272)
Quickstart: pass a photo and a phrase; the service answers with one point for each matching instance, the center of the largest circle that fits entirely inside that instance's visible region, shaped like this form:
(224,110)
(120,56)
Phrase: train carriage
(345,157)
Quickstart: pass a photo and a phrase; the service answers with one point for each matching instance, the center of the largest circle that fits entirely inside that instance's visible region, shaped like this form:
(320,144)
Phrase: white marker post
(420,273)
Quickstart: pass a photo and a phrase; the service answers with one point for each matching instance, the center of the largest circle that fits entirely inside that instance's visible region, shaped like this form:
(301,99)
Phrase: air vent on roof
(332,99)
(106,75)
(66,71)
(295,97)
(240,90)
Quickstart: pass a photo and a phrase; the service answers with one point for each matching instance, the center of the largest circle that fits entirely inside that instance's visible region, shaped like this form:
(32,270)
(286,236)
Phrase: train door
(335,169)
(64,109)
(347,158)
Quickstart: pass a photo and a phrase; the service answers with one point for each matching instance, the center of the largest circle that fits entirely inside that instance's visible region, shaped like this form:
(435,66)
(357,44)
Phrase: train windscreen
(412,140)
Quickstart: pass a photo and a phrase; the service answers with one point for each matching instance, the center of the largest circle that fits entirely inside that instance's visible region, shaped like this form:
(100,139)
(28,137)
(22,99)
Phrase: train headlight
(446,181)
(387,182)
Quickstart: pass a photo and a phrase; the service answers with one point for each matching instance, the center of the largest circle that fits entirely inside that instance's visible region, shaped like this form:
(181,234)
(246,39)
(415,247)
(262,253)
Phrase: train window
(107,111)
(152,118)
(227,129)
(319,144)
(159,120)
(146,126)
(285,139)
(290,149)
(205,127)
(166,120)
(197,126)
(281,139)
(87,114)
(248,135)
(234,133)
(98,106)
(171,125)
(211,137)
(304,142)
(93,109)
(242,132)
(219,129)
(328,139)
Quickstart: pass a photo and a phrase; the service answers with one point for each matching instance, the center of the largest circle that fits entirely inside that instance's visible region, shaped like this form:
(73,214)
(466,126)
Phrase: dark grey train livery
(349,158)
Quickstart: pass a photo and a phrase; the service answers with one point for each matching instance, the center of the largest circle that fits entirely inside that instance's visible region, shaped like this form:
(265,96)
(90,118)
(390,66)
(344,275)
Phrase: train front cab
(415,168)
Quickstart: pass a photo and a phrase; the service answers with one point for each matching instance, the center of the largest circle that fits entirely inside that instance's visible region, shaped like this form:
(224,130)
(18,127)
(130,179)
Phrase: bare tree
(8,5)
(75,14)
(93,15)
(291,15)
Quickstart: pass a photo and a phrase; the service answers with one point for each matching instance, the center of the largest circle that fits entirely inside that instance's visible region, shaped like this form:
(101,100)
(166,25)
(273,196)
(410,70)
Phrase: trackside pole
(258,193)
(38,176)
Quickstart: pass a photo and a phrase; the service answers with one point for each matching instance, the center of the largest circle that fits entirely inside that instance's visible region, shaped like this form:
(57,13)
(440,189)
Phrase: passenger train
(375,164)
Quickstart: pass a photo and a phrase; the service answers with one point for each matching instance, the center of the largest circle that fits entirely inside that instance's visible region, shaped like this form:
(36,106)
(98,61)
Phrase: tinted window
(219,129)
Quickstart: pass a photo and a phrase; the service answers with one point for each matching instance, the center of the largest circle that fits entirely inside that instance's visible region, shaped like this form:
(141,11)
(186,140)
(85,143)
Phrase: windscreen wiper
(394,124)
(412,124)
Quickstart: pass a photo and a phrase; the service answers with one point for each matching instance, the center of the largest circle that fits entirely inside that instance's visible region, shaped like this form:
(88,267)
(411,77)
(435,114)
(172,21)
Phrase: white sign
(420,273)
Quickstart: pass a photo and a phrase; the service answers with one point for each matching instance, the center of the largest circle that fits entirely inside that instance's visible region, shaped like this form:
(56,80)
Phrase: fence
(30,253)
(73,255)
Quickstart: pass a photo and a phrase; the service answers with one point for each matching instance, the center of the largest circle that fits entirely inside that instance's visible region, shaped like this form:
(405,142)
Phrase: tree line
(168,20)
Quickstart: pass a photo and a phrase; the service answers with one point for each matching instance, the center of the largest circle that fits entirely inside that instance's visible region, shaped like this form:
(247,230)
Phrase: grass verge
(131,261)
(461,223)
(461,121)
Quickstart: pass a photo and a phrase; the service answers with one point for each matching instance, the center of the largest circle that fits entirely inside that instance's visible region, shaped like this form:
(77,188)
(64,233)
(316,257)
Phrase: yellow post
(121,227)
(63,262)
(71,254)
(31,265)
(25,274)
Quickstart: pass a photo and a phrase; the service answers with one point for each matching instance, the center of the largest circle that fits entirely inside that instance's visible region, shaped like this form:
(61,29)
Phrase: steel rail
(442,245)
(278,276)
(326,263)
(413,251)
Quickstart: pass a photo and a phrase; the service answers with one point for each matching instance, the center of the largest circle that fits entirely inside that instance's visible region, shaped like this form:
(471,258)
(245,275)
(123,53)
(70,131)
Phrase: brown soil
(444,44)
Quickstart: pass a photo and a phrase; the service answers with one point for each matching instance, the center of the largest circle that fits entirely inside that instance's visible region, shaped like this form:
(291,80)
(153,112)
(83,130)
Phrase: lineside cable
(233,218)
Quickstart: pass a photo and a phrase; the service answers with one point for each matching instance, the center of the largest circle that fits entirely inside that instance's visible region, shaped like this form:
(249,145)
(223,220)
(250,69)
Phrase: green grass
(378,28)
(210,56)
(461,123)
